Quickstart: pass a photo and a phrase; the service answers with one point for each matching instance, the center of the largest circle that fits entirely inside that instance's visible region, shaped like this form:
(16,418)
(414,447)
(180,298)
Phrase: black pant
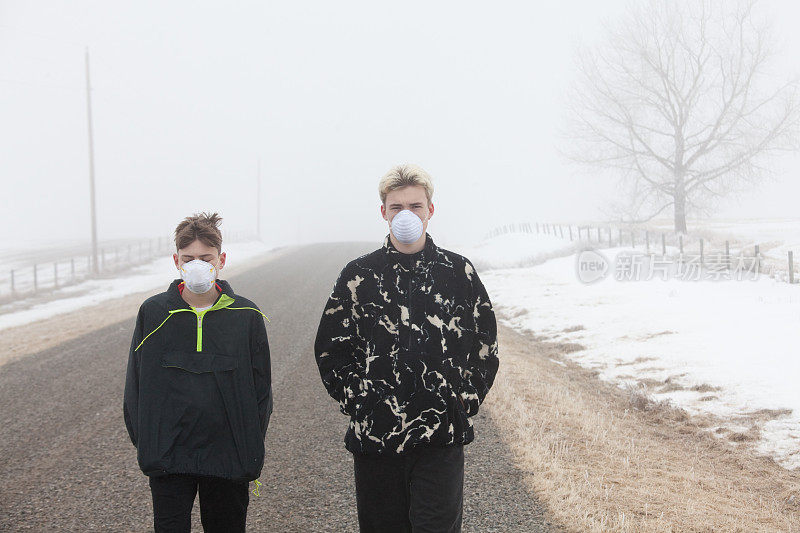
(420,492)
(223,503)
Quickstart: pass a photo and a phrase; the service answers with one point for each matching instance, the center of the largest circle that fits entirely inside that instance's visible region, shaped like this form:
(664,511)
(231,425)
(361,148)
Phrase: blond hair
(403,176)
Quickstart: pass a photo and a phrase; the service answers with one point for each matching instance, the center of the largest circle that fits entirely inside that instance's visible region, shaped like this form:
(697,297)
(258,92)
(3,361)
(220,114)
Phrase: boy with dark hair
(198,393)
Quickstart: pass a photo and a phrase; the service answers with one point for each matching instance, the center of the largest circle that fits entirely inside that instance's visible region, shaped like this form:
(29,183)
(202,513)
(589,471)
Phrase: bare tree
(680,100)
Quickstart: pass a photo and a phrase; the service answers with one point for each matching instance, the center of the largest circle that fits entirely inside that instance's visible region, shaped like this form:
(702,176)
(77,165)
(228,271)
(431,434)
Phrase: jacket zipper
(220,304)
(200,329)
(199,343)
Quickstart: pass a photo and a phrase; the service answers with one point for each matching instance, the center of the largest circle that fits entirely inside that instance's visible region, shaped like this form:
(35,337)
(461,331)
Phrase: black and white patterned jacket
(407,344)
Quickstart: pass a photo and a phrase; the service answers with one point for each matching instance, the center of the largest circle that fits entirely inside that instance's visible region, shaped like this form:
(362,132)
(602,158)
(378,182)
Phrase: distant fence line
(39,277)
(633,238)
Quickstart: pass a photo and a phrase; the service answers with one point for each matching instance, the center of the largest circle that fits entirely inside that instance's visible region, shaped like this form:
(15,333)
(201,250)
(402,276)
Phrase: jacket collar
(393,255)
(176,301)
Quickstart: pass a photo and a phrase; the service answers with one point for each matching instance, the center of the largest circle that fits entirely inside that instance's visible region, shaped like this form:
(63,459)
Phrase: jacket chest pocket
(198,363)
(197,390)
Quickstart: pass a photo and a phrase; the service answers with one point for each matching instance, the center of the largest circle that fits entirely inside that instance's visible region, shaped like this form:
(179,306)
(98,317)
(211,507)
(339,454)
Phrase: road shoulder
(601,458)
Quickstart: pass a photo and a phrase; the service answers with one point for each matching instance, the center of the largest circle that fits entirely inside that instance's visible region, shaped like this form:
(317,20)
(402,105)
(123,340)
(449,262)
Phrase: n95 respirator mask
(198,275)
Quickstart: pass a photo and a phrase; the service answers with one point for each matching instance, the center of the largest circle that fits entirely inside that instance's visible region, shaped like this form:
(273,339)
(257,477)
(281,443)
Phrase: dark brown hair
(201,226)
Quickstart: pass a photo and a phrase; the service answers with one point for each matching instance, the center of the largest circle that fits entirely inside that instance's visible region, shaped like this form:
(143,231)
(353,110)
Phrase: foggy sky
(187,96)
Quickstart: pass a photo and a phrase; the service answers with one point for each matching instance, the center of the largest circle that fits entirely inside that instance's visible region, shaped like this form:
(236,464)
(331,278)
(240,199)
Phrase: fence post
(12,281)
(35,278)
(757,260)
(727,255)
(647,240)
(663,244)
(561,231)
(791,268)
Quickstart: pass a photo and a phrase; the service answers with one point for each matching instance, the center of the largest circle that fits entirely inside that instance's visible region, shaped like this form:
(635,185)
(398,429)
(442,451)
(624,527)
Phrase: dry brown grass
(609,459)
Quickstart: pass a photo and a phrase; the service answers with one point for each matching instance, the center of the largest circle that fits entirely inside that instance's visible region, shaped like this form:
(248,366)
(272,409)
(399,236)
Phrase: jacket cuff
(470,401)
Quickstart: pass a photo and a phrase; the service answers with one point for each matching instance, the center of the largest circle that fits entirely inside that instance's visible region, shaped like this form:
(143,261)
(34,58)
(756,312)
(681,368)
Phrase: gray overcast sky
(188,95)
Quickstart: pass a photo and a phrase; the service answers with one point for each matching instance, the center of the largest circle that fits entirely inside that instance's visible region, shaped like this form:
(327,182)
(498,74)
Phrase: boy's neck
(200,300)
(412,248)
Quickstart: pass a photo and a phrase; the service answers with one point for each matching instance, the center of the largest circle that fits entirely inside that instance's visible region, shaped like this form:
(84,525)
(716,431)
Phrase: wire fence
(709,253)
(113,259)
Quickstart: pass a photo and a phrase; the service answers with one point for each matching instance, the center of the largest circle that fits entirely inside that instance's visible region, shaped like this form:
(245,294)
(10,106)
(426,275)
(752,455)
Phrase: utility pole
(258,200)
(95,268)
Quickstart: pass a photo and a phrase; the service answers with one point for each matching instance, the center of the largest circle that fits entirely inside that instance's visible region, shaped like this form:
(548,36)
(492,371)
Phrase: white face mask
(198,275)
(406,227)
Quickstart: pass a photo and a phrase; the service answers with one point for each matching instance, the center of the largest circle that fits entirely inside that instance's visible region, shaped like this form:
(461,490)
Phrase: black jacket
(407,344)
(198,394)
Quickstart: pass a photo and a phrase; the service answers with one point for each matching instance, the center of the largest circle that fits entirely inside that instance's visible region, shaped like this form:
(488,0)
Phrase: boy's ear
(175,258)
(222,257)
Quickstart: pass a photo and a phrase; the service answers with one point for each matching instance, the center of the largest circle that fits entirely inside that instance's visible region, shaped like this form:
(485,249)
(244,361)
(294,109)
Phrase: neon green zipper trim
(224,302)
(162,323)
(253,308)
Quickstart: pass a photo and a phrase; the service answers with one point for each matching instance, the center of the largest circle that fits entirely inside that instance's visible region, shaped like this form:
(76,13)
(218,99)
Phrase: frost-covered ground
(736,340)
(146,276)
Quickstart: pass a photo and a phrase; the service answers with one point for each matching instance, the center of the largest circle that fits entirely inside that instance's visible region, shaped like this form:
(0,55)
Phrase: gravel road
(66,463)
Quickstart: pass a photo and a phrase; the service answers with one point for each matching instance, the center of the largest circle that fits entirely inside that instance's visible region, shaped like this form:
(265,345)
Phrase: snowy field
(735,341)
(149,275)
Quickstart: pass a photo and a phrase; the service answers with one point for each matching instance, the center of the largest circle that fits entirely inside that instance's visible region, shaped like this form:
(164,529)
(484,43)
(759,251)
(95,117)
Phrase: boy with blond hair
(407,344)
